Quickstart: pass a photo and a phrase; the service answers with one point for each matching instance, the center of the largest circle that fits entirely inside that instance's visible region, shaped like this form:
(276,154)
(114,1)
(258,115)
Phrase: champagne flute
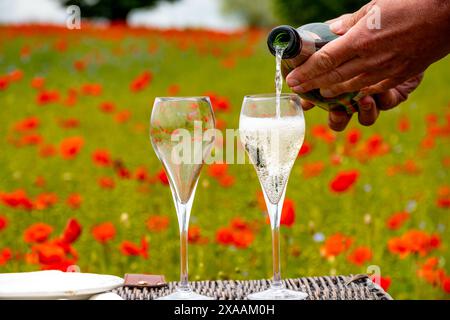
(181,131)
(272,129)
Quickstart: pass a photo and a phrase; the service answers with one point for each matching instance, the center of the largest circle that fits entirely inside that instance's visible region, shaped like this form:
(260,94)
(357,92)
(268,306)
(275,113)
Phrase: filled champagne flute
(272,129)
(181,131)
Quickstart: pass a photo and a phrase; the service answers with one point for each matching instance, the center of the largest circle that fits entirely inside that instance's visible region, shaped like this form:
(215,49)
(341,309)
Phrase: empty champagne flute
(272,129)
(181,131)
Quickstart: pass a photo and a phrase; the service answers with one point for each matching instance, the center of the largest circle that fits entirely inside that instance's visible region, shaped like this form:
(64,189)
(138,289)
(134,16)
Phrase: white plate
(55,285)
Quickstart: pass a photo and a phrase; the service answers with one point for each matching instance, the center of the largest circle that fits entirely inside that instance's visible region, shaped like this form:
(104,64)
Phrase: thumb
(342,24)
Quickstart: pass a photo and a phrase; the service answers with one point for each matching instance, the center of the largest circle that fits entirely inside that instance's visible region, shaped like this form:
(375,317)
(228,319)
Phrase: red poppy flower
(158,223)
(336,159)
(229,62)
(344,181)
(129,248)
(38,232)
(353,136)
(173,89)
(313,169)
(101,158)
(49,253)
(359,256)
(74,200)
(108,107)
(403,124)
(305,149)
(418,241)
(71,98)
(141,174)
(69,123)
(411,167)
(38,83)
(70,147)
(40,182)
(385,282)
(224,235)
(163,177)
(47,96)
(288,213)
(194,234)
(398,246)
(227,181)
(242,238)
(25,51)
(79,65)
(122,116)
(45,200)
(443,200)
(223,105)
(238,233)
(5,256)
(106,183)
(443,203)
(46,151)
(375,146)
(435,241)
(3,223)
(92,89)
(446,162)
(141,81)
(322,132)
(427,143)
(71,232)
(31,139)
(61,45)
(239,224)
(335,245)
(16,199)
(397,220)
(446,285)
(414,242)
(27,124)
(217,170)
(123,173)
(430,272)
(104,232)
(15,75)
(4,82)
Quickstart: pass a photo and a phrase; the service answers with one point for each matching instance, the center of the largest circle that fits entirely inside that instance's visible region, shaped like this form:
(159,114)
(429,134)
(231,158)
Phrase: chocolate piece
(145,280)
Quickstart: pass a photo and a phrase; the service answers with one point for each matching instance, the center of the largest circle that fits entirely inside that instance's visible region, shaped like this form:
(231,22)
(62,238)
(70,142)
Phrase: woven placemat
(353,287)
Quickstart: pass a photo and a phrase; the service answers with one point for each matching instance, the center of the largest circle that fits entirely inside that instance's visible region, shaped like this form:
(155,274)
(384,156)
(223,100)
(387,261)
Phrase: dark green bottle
(299,44)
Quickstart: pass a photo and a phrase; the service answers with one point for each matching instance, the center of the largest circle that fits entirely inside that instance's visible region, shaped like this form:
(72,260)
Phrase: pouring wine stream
(279,49)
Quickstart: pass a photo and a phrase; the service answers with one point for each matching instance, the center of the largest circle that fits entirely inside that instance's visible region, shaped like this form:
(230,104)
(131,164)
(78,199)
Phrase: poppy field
(82,189)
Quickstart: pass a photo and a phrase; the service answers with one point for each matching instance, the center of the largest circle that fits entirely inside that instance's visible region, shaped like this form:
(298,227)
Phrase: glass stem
(275,215)
(276,282)
(184,225)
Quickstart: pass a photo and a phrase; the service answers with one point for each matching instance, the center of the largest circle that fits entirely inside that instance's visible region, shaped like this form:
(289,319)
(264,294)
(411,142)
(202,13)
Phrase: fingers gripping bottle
(299,44)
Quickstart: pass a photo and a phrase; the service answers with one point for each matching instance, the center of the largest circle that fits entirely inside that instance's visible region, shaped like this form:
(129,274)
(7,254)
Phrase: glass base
(278,293)
(185,294)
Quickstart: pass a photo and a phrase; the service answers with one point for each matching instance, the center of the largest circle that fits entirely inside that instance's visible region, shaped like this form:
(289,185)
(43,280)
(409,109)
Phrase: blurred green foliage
(114,10)
(255,13)
(299,12)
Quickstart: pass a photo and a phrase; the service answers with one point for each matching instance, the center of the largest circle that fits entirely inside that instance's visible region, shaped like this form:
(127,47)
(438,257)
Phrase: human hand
(413,34)
(370,106)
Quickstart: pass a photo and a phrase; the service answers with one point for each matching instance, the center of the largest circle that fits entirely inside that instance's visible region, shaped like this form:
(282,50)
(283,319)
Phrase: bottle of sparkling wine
(297,46)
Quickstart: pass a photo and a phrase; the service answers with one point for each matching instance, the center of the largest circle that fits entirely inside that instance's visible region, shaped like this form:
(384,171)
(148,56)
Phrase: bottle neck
(287,38)
(303,41)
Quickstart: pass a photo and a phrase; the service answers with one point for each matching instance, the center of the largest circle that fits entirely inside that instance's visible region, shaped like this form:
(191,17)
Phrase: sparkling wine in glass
(272,132)
(182,136)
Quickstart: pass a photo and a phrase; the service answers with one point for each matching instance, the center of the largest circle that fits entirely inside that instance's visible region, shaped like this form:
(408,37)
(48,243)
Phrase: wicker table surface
(353,287)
